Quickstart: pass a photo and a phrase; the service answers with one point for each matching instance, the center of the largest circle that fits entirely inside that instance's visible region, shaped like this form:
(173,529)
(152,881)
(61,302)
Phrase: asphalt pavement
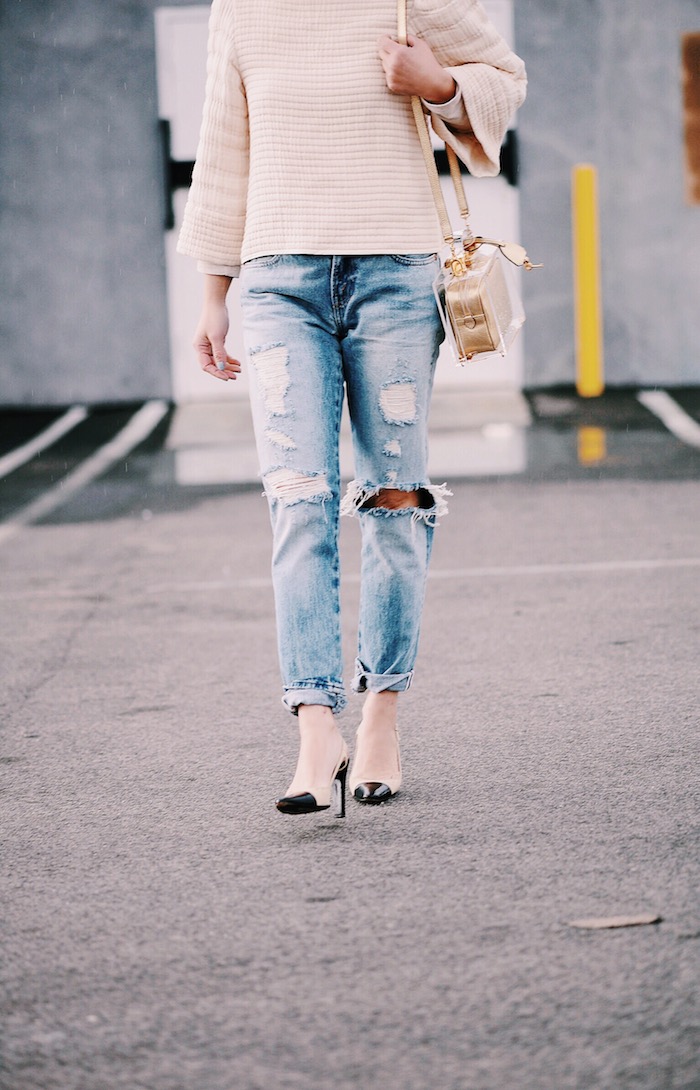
(165,928)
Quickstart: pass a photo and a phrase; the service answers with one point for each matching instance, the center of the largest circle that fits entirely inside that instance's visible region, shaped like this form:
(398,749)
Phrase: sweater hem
(410,247)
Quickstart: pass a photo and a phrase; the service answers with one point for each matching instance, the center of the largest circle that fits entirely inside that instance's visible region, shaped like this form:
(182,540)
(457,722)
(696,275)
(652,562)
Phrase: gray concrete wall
(605,87)
(81,241)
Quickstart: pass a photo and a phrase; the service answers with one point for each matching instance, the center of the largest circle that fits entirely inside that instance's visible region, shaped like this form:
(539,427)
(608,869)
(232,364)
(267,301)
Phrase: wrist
(216,288)
(442,90)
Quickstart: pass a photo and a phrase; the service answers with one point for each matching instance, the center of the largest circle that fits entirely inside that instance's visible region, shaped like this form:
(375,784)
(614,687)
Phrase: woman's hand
(413,70)
(210,337)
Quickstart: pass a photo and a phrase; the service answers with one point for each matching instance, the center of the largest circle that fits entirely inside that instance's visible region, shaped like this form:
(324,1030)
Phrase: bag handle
(512,251)
(427,149)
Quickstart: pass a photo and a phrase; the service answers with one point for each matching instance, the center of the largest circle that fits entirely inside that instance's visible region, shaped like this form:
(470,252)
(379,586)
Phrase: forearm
(216,288)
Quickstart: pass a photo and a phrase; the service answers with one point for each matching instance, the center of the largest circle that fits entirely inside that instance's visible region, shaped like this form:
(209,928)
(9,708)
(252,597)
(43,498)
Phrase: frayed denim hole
(258,348)
(272,366)
(360,492)
(290,486)
(432,501)
(413,513)
(279,439)
(398,402)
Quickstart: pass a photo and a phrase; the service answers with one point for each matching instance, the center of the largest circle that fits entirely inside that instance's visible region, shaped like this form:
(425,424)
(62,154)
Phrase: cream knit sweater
(304,150)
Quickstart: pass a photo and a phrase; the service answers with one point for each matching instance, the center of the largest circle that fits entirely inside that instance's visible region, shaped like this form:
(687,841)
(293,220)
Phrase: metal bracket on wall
(176,173)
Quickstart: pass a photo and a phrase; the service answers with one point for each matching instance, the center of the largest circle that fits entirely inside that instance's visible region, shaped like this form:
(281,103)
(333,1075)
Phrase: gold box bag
(476,293)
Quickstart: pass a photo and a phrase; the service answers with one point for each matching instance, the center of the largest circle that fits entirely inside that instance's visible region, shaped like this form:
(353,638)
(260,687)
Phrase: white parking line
(591,567)
(134,432)
(670,413)
(45,439)
(594,567)
(600,567)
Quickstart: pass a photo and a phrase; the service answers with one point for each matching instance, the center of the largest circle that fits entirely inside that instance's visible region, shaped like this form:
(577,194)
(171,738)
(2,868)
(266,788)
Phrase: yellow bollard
(589,325)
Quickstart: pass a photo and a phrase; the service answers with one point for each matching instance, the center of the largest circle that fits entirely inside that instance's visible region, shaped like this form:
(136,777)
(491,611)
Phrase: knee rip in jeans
(395,499)
(424,503)
(291,486)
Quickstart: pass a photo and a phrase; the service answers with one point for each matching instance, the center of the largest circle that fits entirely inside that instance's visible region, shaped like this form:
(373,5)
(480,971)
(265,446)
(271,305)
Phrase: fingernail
(221,365)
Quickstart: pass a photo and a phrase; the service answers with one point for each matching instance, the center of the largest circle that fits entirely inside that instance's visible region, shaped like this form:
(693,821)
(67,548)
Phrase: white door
(181,48)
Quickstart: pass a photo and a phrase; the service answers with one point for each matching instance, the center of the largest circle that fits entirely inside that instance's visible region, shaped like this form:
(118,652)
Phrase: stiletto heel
(339,790)
(374,785)
(321,795)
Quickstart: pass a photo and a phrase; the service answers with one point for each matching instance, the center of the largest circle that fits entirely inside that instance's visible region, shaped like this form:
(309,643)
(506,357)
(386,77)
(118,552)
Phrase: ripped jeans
(313,327)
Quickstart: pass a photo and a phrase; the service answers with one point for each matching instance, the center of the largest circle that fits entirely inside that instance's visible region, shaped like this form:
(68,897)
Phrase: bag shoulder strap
(428,155)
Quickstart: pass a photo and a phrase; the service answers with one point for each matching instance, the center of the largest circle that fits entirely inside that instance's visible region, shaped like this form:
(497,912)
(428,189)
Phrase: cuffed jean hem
(323,691)
(364,681)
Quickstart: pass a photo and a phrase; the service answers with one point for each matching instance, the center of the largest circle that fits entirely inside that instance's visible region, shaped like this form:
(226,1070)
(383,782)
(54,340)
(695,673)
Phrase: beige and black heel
(320,796)
(371,783)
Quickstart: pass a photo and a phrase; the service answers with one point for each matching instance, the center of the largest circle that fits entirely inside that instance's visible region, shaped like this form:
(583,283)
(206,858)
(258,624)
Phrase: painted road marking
(600,567)
(45,439)
(670,413)
(138,428)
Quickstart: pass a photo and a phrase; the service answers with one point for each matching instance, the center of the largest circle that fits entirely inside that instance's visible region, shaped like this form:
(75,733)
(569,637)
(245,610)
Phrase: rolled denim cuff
(364,681)
(325,692)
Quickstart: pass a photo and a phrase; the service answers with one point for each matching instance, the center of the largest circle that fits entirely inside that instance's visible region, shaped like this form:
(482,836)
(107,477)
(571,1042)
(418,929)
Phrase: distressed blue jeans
(315,328)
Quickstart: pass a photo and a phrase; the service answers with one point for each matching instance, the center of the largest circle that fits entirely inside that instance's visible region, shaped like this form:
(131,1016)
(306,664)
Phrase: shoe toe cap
(372,792)
(298,804)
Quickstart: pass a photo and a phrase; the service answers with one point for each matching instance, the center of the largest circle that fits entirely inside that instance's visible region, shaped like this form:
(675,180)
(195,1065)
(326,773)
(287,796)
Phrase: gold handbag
(477,297)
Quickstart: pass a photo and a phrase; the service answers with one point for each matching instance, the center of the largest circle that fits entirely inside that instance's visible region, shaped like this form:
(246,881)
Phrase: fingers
(216,361)
(210,341)
(219,354)
(224,370)
(388,45)
(224,367)
(413,69)
(399,64)
(390,55)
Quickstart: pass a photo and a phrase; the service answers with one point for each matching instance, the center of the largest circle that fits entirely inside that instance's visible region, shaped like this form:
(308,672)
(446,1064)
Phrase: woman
(310,185)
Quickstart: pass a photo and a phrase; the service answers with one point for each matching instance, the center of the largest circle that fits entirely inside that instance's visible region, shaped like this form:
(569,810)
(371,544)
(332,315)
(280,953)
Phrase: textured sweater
(303,149)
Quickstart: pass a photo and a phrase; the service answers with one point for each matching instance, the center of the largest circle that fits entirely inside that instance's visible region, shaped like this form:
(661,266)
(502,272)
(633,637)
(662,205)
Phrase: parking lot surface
(165,928)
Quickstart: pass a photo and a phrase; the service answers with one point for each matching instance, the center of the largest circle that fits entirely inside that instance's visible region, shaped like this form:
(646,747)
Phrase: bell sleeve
(214,220)
(491,83)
